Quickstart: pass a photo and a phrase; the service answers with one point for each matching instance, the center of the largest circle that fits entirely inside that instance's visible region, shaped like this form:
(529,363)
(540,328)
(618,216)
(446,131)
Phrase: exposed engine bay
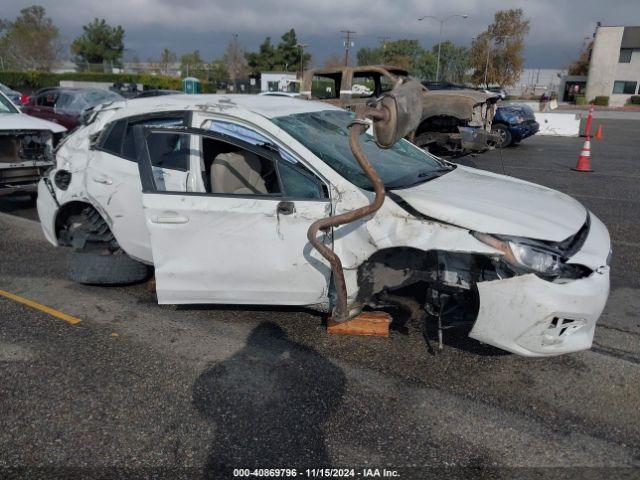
(24,157)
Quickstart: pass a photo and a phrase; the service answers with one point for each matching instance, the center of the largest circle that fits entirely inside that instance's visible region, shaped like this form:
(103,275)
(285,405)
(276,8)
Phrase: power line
(347,41)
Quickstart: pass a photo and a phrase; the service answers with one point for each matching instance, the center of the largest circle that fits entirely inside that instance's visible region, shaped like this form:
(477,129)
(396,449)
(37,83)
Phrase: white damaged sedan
(219,192)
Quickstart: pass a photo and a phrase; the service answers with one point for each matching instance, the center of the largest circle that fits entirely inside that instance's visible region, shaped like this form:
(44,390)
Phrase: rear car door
(113,179)
(244,239)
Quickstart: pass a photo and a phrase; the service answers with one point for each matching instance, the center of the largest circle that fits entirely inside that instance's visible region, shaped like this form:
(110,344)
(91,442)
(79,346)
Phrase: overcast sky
(558,27)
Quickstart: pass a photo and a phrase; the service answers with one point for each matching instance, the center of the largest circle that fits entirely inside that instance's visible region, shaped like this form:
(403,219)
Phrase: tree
(192,64)
(404,53)
(285,56)
(290,53)
(167,58)
(235,61)
(30,41)
(370,56)
(218,74)
(454,62)
(334,61)
(265,59)
(581,65)
(99,43)
(502,43)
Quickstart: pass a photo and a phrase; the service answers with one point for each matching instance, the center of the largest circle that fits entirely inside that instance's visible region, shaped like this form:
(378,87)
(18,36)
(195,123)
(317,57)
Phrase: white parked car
(26,148)
(217,193)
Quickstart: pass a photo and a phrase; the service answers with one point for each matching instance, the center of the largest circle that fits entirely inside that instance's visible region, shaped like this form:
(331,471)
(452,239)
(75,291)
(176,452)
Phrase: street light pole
(442,21)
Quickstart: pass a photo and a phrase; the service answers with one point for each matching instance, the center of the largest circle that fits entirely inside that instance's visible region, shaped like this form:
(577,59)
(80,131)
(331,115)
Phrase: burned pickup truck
(453,123)
(26,149)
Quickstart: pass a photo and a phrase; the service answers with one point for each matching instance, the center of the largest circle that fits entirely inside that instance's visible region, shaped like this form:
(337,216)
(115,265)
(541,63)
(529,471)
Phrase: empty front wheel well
(67,211)
(398,267)
(81,226)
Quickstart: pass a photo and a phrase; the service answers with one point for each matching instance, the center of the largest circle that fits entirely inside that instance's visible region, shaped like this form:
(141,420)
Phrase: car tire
(94,268)
(506,138)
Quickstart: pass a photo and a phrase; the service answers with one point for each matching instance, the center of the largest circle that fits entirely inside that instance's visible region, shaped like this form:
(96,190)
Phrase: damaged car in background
(218,193)
(452,122)
(26,149)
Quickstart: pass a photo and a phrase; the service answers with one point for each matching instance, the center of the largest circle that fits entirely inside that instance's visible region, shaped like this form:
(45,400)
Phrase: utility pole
(301,46)
(347,42)
(383,44)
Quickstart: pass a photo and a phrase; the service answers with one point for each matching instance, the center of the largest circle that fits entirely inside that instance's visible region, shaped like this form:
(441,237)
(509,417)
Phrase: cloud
(558,27)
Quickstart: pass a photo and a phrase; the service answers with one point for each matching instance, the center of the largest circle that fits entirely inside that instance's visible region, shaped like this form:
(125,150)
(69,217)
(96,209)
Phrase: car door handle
(103,180)
(170,219)
(286,208)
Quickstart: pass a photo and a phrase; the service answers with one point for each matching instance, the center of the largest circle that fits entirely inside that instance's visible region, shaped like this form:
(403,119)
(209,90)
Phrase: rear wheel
(506,138)
(96,258)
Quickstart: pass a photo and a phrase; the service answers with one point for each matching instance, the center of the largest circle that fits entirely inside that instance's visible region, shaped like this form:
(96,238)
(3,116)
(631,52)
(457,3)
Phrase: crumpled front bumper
(535,318)
(477,139)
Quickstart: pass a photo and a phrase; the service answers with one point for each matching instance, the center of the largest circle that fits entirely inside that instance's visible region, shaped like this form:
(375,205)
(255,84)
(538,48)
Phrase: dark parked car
(514,123)
(66,106)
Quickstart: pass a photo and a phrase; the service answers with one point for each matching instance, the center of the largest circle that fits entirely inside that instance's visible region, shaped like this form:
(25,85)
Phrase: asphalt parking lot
(139,385)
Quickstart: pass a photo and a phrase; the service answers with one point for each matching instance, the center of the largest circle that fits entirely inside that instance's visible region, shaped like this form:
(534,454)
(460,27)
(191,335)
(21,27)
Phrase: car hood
(491,203)
(20,121)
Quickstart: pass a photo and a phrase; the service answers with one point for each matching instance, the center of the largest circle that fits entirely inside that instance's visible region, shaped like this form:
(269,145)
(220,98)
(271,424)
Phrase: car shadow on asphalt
(268,404)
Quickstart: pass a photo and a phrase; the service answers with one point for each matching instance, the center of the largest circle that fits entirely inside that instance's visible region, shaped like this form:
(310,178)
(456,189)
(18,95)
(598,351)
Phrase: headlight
(522,255)
(519,119)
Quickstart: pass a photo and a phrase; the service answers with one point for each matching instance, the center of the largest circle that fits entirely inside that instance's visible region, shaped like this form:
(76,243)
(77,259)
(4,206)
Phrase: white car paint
(487,202)
(20,121)
(209,249)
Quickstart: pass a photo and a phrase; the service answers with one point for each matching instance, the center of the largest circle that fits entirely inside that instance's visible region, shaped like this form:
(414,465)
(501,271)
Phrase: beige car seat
(237,173)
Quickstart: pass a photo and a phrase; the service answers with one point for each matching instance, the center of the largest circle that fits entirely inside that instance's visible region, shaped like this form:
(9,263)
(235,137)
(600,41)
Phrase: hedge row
(602,100)
(36,80)
(634,100)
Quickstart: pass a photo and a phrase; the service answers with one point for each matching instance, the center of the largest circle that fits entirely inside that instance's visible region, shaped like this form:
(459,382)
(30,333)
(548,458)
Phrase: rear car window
(129,147)
(112,141)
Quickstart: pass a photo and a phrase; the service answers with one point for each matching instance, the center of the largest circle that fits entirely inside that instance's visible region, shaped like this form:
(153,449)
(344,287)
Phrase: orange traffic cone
(584,160)
(599,133)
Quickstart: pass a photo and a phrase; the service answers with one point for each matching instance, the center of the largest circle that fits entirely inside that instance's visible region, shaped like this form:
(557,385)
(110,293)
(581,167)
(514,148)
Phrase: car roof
(269,106)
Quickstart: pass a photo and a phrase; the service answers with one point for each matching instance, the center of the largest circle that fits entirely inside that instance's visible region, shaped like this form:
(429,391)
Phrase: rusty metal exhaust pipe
(395,116)
(340,312)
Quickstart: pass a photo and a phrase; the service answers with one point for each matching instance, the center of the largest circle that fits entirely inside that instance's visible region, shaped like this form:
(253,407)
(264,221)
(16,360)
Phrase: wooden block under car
(375,324)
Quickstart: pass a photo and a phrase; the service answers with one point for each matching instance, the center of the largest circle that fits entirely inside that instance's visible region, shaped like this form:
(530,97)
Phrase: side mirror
(402,112)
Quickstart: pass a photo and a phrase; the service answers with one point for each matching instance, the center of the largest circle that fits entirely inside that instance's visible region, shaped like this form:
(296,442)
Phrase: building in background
(278,82)
(614,69)
(536,81)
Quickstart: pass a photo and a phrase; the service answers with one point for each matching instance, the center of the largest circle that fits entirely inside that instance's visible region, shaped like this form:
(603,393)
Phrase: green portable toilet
(191,85)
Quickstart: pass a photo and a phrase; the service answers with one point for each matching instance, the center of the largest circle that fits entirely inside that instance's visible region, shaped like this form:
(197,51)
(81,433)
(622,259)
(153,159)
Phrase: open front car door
(242,240)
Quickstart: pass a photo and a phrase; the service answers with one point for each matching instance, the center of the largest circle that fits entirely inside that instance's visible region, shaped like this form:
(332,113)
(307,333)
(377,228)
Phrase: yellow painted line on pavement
(43,308)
